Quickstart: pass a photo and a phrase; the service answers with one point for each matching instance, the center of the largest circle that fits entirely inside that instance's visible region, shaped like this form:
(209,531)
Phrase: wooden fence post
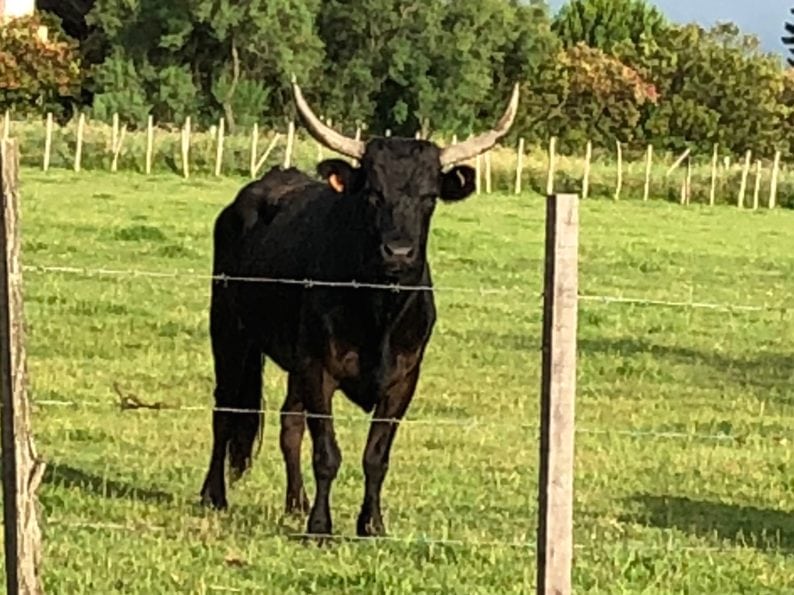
(757,188)
(149,144)
(558,389)
(488,173)
(290,144)
(219,147)
(519,164)
(552,165)
(47,142)
(588,157)
(745,175)
(773,181)
(619,184)
(254,148)
(713,189)
(478,173)
(7,125)
(78,153)
(186,148)
(22,470)
(648,165)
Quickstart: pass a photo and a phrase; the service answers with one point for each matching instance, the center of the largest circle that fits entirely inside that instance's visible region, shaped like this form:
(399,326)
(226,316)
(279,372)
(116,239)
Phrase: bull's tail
(246,419)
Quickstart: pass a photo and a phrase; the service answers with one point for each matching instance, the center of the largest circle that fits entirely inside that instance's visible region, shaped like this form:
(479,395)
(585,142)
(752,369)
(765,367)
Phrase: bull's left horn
(481,143)
(323,134)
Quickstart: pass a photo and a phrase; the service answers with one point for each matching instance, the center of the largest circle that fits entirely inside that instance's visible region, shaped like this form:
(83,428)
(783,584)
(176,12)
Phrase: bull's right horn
(323,134)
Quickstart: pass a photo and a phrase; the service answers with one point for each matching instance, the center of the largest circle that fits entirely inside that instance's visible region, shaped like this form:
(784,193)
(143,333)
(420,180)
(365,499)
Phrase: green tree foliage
(37,73)
(717,86)
(599,98)
(205,57)
(602,70)
(615,26)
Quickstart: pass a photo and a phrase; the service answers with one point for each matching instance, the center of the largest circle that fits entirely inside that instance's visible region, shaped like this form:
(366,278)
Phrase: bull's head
(401,179)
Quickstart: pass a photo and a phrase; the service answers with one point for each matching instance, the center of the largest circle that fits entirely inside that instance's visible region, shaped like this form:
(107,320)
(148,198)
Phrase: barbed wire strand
(314,283)
(422,540)
(467,423)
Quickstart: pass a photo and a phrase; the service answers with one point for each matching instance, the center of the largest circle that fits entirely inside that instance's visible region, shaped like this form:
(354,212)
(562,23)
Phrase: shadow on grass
(745,526)
(767,371)
(70,477)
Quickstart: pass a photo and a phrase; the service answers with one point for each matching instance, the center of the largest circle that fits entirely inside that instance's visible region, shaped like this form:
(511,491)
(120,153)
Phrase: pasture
(685,416)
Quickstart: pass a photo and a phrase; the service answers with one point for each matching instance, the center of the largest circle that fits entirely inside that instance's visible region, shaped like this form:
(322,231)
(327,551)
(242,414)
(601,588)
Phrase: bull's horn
(324,134)
(481,143)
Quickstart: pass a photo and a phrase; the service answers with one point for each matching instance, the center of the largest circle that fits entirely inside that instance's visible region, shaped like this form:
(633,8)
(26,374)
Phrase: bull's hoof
(370,526)
(319,528)
(297,504)
(211,499)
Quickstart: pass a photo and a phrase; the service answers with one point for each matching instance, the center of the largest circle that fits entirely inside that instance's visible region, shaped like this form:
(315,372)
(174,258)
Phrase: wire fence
(463,423)
(781,308)
(126,403)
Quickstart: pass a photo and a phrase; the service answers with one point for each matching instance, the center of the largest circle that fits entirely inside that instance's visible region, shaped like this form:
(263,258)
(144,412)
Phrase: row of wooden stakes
(482,164)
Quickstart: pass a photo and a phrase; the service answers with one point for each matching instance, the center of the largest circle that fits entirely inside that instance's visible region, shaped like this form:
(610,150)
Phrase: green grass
(654,514)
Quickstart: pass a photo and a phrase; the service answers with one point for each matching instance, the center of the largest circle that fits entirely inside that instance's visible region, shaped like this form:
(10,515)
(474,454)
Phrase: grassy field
(684,471)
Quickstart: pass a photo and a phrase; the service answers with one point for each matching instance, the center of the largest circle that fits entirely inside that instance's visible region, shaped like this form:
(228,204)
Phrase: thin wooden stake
(78,153)
(114,166)
(149,144)
(266,154)
(7,125)
(254,149)
(588,157)
(219,147)
(713,190)
(114,133)
(519,165)
(619,184)
(678,162)
(22,469)
(47,142)
(290,144)
(757,189)
(488,176)
(552,165)
(745,174)
(648,168)
(186,148)
(688,181)
(478,174)
(773,182)
(558,392)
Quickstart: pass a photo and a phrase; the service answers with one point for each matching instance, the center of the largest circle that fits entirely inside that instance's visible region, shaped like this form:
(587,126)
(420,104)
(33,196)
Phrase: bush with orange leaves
(39,66)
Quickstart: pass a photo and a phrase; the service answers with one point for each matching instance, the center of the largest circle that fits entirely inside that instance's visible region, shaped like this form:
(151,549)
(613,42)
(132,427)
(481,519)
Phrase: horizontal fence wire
(464,423)
(634,545)
(394,287)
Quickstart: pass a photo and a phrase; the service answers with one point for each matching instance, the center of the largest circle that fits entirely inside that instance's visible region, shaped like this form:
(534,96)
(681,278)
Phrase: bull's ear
(458,183)
(340,175)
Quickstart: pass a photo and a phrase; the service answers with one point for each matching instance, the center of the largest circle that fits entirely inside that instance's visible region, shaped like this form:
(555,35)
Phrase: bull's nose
(398,253)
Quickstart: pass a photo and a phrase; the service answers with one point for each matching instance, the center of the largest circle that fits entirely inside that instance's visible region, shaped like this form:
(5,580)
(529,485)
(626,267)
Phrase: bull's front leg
(316,388)
(391,408)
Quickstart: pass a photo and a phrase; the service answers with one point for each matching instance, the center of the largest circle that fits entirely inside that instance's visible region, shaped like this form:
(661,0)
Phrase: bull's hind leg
(231,353)
(293,426)
(246,427)
(392,407)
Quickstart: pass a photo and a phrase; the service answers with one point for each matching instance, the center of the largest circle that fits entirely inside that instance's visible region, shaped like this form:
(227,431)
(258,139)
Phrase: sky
(763,18)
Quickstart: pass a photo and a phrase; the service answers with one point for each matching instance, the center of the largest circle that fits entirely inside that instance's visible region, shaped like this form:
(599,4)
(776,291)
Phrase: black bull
(367,224)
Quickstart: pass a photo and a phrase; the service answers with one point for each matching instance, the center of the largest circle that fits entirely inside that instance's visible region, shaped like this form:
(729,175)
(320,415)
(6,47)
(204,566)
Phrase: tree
(716,85)
(206,57)
(614,26)
(399,64)
(788,40)
(38,75)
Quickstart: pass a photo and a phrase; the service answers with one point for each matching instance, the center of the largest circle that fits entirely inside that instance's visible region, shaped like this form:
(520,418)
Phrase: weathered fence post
(558,389)
(22,471)
(519,164)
